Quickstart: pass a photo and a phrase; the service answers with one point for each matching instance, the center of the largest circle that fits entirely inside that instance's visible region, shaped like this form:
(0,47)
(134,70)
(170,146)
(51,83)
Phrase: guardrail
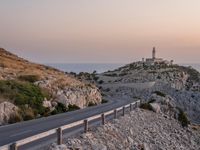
(58,131)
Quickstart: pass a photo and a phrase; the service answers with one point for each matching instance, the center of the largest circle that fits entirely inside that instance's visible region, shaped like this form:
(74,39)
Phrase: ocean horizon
(98,67)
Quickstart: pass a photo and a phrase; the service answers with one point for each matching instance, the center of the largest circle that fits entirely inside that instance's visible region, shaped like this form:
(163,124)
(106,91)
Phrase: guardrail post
(103,119)
(85,126)
(123,111)
(59,136)
(140,102)
(115,114)
(137,105)
(13,146)
(130,107)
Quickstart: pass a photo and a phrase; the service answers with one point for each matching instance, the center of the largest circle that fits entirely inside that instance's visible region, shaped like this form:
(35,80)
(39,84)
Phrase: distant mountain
(29,90)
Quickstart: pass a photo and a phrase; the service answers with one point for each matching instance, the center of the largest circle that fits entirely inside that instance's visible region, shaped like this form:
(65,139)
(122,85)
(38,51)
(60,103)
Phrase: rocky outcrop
(80,97)
(78,94)
(55,84)
(142,129)
(155,107)
(6,110)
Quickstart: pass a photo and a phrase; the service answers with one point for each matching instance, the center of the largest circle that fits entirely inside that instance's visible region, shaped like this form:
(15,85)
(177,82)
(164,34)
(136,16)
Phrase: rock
(47,104)
(6,110)
(130,140)
(145,146)
(79,96)
(155,107)
(54,104)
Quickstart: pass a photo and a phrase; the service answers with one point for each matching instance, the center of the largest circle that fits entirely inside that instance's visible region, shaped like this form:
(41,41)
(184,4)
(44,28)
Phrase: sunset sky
(101,31)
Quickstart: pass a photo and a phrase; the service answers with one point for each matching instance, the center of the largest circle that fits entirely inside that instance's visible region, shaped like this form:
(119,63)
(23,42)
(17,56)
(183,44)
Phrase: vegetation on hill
(27,96)
(160,93)
(29,78)
(182,117)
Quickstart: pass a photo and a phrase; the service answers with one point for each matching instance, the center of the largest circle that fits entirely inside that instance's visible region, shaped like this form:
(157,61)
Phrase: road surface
(18,131)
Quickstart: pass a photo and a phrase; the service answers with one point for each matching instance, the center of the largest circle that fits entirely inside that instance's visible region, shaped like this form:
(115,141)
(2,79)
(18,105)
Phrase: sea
(98,67)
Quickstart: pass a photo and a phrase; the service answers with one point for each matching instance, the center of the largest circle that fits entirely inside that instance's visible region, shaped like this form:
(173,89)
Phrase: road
(18,131)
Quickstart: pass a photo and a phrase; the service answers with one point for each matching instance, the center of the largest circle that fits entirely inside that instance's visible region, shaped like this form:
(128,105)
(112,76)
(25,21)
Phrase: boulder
(6,109)
(47,104)
(155,107)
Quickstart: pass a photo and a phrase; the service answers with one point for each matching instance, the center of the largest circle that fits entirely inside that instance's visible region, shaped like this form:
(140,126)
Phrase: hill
(29,90)
(139,130)
(140,80)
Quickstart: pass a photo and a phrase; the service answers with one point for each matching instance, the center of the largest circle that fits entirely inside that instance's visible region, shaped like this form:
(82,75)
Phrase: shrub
(107,89)
(111,75)
(22,93)
(29,78)
(104,101)
(182,117)
(146,106)
(101,82)
(158,77)
(27,113)
(95,78)
(91,104)
(151,101)
(72,107)
(160,93)
(15,117)
(60,108)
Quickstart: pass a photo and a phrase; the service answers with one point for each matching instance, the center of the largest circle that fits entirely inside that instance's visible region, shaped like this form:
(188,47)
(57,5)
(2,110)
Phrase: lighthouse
(154,53)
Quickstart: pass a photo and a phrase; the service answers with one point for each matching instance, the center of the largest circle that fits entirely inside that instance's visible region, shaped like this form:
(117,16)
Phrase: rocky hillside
(29,90)
(139,80)
(157,125)
(139,130)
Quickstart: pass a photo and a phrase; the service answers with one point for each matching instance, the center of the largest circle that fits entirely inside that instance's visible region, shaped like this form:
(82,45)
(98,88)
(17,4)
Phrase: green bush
(107,90)
(29,78)
(146,106)
(72,107)
(182,117)
(60,108)
(95,78)
(104,101)
(91,104)
(151,101)
(160,93)
(22,93)
(101,82)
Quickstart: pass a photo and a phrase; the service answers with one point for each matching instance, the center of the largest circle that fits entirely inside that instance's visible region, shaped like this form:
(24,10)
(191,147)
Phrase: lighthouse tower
(154,53)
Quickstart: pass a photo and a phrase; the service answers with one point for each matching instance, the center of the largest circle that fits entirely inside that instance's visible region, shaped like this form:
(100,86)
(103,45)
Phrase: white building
(154,60)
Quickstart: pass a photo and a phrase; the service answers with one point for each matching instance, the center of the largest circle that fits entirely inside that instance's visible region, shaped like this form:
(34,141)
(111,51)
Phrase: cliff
(36,90)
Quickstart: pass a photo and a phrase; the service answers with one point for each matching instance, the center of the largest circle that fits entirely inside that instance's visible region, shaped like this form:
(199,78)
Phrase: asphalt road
(18,131)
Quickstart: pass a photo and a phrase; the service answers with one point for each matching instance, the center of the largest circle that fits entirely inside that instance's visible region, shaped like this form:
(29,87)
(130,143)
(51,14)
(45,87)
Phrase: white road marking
(17,134)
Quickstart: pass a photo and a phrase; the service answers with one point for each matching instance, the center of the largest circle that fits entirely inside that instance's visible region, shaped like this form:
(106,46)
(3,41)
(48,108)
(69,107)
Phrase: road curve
(18,131)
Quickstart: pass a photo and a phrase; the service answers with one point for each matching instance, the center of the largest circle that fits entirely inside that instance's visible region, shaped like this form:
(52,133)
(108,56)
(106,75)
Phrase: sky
(101,31)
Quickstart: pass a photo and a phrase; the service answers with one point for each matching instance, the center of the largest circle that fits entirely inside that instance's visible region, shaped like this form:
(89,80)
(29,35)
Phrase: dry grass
(15,67)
